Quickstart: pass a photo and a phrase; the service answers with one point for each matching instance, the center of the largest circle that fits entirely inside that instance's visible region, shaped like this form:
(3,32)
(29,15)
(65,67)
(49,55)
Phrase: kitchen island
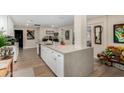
(67,60)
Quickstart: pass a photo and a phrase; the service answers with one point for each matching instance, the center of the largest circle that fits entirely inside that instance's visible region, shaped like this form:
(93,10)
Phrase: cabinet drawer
(59,54)
(54,60)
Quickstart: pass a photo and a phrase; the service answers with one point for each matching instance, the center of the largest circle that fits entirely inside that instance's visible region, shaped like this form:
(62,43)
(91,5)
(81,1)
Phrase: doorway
(19,37)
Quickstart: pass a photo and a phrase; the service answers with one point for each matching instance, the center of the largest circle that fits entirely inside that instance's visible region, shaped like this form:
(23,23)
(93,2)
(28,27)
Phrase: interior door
(19,37)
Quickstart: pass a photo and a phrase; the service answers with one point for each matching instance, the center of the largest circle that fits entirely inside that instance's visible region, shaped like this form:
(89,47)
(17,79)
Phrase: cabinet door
(10,27)
(47,56)
(3,23)
(41,51)
(60,65)
(52,62)
(43,54)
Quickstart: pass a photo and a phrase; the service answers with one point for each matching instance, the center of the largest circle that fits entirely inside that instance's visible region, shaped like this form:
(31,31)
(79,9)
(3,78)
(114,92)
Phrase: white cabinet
(3,23)
(43,53)
(52,62)
(6,25)
(72,64)
(10,27)
(53,59)
(60,65)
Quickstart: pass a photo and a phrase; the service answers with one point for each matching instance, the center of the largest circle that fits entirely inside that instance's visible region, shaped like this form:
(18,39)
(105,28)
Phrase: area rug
(28,72)
(43,71)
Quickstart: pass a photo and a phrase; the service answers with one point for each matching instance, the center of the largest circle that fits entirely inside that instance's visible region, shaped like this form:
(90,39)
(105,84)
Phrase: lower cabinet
(60,65)
(77,63)
(54,60)
(53,63)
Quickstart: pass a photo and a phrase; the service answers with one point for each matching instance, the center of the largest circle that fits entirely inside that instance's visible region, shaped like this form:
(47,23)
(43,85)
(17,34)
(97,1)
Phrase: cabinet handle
(59,56)
(52,52)
(54,58)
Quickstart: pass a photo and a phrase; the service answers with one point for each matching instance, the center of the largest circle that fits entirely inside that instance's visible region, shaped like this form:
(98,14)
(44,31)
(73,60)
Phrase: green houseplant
(10,40)
(4,50)
(3,40)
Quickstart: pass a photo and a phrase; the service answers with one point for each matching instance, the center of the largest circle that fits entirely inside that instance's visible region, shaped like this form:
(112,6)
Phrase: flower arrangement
(116,52)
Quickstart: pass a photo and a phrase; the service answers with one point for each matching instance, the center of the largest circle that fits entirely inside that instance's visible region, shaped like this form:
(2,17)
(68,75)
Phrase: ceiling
(94,16)
(45,20)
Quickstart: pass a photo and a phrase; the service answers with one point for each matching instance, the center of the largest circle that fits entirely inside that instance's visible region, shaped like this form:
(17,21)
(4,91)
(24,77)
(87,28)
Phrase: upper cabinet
(10,27)
(6,25)
(3,23)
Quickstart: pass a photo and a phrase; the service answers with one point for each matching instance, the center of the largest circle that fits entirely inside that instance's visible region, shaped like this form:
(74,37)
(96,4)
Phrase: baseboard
(29,47)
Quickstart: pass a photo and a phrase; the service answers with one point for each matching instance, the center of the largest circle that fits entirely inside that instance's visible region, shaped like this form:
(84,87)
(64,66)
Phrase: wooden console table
(8,69)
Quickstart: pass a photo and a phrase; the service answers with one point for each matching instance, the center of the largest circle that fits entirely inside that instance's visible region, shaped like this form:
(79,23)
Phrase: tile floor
(30,65)
(101,70)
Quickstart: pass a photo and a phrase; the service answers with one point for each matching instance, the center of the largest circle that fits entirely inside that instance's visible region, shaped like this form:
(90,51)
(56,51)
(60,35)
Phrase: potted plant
(3,40)
(10,40)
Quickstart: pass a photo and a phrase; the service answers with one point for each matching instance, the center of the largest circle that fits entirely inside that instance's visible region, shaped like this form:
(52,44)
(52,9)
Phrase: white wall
(62,34)
(94,22)
(42,32)
(39,34)
(28,43)
(107,23)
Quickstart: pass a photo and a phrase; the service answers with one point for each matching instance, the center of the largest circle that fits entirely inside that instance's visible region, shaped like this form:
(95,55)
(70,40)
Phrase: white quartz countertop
(65,48)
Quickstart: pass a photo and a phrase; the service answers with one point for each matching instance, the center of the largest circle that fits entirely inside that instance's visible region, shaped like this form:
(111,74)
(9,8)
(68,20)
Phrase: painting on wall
(98,34)
(118,33)
(67,34)
(30,34)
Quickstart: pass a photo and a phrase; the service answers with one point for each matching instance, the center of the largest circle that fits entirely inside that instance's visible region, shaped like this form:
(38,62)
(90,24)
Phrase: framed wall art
(67,34)
(30,34)
(118,33)
(98,34)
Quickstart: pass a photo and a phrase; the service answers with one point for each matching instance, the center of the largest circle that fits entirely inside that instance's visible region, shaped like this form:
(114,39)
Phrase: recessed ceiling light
(27,24)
